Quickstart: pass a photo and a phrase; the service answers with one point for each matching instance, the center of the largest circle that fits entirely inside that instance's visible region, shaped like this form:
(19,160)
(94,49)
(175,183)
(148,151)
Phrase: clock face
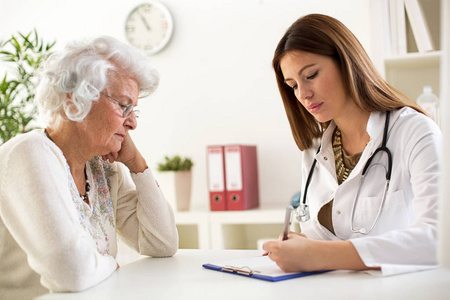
(149,27)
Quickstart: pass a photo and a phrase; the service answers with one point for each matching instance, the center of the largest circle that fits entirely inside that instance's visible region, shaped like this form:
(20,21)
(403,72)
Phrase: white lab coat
(404,238)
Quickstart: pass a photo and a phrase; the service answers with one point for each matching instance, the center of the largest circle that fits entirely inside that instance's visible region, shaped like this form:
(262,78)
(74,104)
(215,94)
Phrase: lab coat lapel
(375,127)
(326,156)
(327,170)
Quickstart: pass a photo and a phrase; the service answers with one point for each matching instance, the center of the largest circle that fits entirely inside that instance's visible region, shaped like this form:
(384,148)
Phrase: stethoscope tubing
(303,214)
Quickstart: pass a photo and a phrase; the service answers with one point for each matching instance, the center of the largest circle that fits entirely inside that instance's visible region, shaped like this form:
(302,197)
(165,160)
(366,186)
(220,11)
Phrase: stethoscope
(302,212)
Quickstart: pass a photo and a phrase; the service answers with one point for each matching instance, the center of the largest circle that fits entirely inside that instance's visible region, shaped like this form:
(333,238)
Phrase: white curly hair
(72,78)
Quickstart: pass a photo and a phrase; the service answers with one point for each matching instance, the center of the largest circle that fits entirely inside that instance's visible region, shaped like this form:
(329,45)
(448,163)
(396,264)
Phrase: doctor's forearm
(339,255)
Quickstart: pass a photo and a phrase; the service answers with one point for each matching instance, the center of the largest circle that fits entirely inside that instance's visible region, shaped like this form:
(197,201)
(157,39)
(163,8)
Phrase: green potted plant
(23,54)
(175,178)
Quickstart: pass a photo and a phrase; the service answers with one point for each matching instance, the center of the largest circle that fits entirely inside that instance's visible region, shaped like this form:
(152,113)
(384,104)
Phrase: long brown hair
(324,35)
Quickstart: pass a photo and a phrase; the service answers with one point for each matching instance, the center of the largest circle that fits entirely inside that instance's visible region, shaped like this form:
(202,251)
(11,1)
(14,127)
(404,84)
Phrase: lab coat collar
(376,119)
(375,129)
(375,126)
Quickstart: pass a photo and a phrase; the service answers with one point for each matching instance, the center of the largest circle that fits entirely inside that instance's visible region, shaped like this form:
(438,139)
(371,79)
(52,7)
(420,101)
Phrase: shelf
(414,60)
(230,229)
(243,229)
(193,229)
(262,215)
(409,73)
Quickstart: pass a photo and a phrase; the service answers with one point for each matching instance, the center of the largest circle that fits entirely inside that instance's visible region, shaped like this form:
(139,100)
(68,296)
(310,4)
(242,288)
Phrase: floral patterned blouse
(94,218)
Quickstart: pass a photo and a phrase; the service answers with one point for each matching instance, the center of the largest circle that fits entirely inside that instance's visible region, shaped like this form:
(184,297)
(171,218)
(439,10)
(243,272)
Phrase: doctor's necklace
(344,163)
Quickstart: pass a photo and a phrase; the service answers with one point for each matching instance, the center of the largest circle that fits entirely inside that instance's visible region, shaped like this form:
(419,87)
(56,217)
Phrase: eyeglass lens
(127,109)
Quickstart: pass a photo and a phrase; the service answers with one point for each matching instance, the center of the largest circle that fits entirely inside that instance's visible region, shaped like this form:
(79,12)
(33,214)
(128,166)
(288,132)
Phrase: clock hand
(145,22)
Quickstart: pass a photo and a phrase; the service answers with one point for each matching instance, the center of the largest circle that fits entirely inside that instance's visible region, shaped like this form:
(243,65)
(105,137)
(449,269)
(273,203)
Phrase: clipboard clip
(240,270)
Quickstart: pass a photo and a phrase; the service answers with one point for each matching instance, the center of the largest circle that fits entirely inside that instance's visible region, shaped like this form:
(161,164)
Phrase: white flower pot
(176,187)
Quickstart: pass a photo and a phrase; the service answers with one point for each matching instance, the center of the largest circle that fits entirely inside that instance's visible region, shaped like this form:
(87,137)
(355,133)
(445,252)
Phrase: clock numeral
(146,8)
(130,28)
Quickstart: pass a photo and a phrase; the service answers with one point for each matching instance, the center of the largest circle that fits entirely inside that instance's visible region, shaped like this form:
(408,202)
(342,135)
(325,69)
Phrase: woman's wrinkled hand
(129,155)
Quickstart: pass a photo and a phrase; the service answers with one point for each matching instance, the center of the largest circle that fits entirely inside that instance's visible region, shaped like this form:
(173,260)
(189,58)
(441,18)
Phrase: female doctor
(350,122)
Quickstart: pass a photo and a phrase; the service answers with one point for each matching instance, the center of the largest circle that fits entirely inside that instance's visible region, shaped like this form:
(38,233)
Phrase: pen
(287,221)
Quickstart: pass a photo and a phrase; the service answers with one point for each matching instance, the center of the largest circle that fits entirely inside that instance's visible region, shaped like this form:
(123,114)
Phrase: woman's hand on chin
(129,155)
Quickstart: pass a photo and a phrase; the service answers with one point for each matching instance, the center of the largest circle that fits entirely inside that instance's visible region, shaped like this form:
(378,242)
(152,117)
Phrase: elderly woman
(66,190)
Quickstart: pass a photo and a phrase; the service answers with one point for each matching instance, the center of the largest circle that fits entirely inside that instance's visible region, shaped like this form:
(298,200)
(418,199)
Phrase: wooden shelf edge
(414,60)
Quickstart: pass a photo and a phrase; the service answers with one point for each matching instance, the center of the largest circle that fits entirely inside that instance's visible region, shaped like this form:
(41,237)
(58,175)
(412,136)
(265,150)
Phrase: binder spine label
(215,170)
(233,167)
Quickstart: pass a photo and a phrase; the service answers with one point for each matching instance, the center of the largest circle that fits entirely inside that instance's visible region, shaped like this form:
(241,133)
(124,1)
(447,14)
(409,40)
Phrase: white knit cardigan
(50,240)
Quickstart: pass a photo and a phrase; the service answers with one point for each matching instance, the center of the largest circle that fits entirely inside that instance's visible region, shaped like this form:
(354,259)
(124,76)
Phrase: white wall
(217,85)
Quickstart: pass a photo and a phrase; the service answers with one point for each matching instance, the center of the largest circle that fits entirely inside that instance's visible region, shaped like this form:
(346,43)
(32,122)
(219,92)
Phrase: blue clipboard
(260,267)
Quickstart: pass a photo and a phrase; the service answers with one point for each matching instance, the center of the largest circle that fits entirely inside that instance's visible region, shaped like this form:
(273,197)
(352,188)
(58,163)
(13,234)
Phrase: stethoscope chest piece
(302,213)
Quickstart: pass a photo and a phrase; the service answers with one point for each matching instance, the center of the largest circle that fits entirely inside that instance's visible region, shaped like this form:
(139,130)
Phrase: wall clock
(149,27)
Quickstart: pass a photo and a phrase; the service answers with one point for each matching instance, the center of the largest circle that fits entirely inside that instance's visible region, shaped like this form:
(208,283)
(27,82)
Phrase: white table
(183,277)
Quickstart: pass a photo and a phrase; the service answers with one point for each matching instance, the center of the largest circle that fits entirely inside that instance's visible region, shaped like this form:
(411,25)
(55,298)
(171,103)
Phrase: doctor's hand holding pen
(300,254)
(294,252)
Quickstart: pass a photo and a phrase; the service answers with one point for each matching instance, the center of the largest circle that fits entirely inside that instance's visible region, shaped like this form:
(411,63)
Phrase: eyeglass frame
(127,108)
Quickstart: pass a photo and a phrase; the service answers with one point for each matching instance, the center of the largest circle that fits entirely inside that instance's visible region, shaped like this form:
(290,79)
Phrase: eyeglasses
(127,108)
